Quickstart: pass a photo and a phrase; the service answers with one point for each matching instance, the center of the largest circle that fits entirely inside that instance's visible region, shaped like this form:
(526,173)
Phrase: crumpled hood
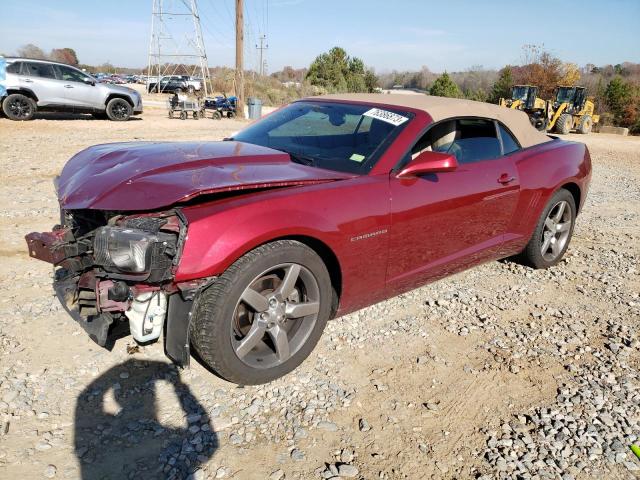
(152,175)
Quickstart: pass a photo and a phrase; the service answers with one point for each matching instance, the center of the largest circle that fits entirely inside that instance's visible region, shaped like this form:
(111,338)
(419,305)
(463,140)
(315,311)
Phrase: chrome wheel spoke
(555,247)
(252,338)
(297,310)
(280,341)
(550,224)
(258,302)
(563,227)
(289,281)
(558,216)
(545,244)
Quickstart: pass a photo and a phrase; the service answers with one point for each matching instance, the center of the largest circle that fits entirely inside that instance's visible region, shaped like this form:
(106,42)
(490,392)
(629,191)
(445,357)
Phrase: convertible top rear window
(335,136)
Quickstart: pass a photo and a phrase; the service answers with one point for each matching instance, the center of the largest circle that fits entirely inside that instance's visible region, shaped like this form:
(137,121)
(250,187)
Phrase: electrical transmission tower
(176,45)
(263,46)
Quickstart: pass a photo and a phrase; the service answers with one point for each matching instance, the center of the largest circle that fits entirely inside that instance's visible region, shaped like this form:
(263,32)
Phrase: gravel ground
(498,372)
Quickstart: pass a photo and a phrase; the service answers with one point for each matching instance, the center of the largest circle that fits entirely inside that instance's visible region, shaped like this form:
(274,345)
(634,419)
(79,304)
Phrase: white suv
(48,86)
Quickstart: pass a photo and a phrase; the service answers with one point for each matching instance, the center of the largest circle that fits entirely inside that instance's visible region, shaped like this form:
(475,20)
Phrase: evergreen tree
(502,87)
(445,87)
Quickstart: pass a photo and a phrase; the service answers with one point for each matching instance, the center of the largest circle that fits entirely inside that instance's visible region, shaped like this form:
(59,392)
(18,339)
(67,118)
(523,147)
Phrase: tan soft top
(442,108)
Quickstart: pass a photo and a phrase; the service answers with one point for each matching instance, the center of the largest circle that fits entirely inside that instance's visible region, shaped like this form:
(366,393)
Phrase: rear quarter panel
(542,170)
(333,213)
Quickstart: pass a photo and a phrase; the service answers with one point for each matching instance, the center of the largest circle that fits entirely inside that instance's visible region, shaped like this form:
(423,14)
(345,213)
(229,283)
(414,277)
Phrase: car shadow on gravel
(139,420)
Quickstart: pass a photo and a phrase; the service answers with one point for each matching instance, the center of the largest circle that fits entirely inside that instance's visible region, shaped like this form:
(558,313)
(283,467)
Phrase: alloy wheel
(556,231)
(275,315)
(120,111)
(21,108)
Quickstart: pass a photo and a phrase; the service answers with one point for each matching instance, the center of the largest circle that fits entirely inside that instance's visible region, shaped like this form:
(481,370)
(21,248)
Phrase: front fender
(216,239)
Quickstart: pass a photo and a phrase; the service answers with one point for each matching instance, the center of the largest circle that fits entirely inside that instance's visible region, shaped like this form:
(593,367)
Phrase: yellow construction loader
(571,110)
(525,98)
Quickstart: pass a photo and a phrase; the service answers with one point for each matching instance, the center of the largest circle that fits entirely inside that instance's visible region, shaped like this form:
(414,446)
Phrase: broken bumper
(94,297)
(96,326)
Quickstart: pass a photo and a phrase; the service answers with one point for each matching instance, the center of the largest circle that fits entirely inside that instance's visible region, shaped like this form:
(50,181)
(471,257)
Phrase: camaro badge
(369,235)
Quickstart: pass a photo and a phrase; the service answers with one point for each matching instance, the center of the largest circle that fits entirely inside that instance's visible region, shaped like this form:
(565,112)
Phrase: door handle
(506,178)
(26,80)
(68,86)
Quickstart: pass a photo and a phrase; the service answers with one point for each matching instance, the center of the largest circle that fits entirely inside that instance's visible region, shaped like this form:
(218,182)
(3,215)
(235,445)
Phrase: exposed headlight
(126,249)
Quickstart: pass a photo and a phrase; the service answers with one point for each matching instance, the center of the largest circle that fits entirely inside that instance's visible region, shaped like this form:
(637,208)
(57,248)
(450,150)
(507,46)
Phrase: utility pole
(262,48)
(239,52)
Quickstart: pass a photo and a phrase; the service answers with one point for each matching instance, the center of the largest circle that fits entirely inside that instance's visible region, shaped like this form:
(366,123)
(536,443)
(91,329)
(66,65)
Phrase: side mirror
(429,162)
(90,81)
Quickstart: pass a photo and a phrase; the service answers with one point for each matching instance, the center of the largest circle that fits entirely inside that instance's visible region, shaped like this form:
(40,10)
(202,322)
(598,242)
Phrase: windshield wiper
(303,159)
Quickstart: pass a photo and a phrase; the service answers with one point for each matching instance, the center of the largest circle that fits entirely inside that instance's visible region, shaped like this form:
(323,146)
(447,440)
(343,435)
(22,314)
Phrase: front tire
(119,110)
(564,124)
(586,124)
(264,315)
(19,107)
(553,232)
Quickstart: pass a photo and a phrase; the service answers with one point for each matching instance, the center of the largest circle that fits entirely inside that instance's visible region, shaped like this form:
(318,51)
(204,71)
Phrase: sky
(450,35)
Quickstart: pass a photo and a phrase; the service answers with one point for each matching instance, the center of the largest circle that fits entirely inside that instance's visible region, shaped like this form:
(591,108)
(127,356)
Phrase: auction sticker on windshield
(386,116)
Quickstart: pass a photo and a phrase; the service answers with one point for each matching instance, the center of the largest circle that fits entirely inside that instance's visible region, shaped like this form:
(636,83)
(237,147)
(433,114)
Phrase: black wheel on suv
(119,110)
(19,107)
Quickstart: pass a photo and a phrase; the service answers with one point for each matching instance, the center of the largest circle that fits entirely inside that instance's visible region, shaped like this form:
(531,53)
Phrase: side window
(475,140)
(42,70)
(509,144)
(14,67)
(69,74)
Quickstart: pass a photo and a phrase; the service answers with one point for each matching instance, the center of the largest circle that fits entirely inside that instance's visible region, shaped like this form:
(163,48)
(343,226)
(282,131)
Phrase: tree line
(615,89)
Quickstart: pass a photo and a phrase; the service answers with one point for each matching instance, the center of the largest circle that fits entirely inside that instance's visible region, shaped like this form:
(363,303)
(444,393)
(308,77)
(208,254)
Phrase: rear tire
(553,232)
(119,110)
(245,346)
(19,107)
(586,124)
(564,124)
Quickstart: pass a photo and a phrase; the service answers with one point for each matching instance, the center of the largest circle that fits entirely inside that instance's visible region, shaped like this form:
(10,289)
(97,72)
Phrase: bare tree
(31,51)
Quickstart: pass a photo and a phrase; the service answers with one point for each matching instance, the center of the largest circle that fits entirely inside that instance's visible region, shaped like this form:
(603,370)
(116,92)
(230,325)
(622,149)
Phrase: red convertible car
(243,249)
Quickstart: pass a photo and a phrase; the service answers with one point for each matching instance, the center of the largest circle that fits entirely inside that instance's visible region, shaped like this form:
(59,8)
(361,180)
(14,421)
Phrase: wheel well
(26,93)
(118,95)
(574,190)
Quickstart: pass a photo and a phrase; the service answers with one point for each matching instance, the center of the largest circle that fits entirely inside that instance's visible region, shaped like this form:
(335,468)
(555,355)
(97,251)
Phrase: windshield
(565,94)
(335,136)
(520,93)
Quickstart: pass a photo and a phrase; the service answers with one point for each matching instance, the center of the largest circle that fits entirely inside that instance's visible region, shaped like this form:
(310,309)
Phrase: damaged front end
(111,269)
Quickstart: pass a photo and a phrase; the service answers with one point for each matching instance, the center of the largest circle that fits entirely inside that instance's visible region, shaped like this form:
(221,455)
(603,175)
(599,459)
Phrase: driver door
(445,222)
(79,91)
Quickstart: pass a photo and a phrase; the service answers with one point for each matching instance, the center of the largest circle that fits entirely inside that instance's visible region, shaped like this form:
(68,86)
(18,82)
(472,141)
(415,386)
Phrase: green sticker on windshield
(356,157)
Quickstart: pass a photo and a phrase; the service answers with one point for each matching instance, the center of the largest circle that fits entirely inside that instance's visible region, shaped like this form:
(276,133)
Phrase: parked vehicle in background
(167,86)
(40,85)
(118,80)
(222,106)
(572,110)
(191,84)
(243,249)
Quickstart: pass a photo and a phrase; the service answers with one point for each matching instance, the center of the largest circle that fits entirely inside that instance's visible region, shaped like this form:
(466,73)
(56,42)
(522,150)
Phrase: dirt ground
(414,387)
